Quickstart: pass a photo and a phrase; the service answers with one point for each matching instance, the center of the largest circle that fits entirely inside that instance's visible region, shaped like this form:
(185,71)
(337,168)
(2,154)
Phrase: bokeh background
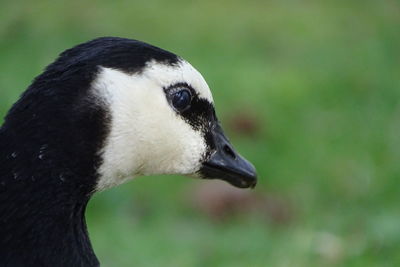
(307,90)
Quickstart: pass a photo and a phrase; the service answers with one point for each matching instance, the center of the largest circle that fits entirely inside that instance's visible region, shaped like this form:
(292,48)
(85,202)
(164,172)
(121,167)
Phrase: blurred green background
(307,90)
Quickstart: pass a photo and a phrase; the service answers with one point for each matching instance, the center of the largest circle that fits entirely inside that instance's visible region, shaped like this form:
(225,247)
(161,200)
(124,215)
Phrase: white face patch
(146,135)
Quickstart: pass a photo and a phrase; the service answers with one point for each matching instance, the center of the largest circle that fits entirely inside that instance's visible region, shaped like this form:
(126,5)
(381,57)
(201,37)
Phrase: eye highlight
(181,99)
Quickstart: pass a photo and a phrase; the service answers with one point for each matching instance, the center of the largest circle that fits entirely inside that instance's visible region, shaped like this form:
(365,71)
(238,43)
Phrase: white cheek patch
(146,135)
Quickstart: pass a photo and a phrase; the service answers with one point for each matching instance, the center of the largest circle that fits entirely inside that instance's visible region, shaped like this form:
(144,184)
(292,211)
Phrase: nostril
(229,151)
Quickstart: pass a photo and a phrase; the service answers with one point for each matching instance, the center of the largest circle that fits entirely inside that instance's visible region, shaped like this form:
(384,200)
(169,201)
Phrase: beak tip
(250,182)
(253,185)
(242,175)
(245,181)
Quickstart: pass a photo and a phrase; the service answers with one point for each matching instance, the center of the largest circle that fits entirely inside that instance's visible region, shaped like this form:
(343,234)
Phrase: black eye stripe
(200,108)
(201,113)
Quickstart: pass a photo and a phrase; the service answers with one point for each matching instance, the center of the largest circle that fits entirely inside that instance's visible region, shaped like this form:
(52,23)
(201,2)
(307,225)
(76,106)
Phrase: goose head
(133,109)
(163,121)
(104,112)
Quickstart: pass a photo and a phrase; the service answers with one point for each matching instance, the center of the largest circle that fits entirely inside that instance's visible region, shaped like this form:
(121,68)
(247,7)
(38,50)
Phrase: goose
(102,113)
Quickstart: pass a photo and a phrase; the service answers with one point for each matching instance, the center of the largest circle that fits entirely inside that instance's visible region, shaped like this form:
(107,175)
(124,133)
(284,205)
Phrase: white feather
(146,135)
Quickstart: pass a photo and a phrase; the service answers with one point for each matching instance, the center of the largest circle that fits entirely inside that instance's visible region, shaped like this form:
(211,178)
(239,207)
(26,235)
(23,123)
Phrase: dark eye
(181,99)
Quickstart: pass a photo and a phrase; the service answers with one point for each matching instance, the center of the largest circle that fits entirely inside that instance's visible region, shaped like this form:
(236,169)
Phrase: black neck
(47,175)
(42,209)
(36,234)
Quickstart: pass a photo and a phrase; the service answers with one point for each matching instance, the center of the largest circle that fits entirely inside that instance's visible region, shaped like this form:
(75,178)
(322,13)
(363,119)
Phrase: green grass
(322,77)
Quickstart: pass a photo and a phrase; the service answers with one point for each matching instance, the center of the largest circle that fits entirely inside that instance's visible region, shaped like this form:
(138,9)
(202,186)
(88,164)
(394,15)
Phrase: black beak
(226,164)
